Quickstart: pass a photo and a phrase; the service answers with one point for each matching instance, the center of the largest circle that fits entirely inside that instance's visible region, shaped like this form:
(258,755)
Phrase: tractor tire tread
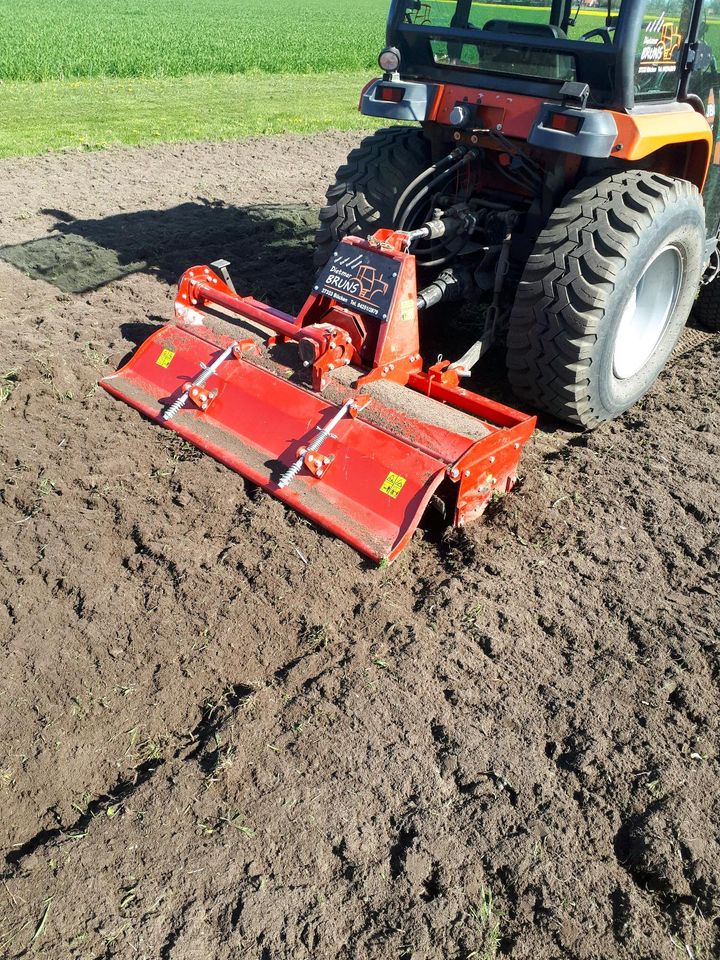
(368,184)
(567,281)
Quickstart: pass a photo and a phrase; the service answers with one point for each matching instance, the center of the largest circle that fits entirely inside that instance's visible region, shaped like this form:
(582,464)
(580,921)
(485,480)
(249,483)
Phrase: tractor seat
(541,63)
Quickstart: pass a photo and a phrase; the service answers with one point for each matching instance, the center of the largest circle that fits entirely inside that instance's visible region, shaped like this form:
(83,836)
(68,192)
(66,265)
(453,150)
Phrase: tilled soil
(226,735)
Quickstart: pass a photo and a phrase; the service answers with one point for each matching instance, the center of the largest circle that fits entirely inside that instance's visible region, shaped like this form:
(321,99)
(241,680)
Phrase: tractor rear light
(389,59)
(561,121)
(390,94)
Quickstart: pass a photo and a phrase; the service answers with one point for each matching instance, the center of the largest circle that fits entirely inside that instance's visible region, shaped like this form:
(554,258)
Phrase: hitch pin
(315,444)
(200,380)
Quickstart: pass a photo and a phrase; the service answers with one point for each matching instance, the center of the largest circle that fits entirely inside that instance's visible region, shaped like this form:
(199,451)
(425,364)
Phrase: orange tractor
(553,166)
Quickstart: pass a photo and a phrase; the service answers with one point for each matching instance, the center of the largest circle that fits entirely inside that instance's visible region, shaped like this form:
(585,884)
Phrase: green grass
(103,112)
(61,39)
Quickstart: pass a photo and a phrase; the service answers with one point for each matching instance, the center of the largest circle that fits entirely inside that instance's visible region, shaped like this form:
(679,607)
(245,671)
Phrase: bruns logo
(353,276)
(661,44)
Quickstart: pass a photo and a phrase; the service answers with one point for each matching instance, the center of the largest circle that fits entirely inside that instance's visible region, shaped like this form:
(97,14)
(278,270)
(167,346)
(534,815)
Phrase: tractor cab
(636,82)
(627,52)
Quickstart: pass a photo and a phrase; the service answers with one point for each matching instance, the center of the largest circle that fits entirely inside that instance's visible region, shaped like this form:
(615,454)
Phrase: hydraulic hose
(429,172)
(465,159)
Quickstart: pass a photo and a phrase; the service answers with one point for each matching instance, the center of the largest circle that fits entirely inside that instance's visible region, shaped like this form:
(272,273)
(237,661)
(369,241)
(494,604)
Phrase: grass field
(101,112)
(61,39)
(67,39)
(85,73)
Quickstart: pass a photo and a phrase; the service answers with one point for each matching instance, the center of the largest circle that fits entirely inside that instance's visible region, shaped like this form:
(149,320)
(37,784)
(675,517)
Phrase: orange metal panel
(641,134)
(514,112)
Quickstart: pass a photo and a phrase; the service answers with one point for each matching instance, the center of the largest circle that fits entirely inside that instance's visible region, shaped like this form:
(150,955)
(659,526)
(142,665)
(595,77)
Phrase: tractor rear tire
(368,184)
(587,336)
(707,305)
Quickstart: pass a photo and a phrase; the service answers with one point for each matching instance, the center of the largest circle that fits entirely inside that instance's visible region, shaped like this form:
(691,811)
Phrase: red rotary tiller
(346,426)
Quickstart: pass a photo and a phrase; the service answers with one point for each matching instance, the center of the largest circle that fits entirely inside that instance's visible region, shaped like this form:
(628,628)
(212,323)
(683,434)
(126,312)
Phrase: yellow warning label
(407,310)
(165,358)
(392,485)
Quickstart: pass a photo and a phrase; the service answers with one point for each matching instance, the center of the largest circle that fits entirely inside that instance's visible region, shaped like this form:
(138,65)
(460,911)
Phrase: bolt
(467,473)
(193,301)
(454,473)
(492,459)
(332,344)
(517,446)
(319,473)
(346,361)
(498,126)
(311,458)
(473,139)
(331,366)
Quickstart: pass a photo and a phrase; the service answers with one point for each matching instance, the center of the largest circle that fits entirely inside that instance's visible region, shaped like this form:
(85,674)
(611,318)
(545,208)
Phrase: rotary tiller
(332,411)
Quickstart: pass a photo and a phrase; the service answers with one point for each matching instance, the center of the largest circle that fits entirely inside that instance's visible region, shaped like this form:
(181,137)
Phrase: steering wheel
(598,32)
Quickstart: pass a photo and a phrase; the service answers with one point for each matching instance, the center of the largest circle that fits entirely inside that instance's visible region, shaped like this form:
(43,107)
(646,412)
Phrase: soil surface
(226,735)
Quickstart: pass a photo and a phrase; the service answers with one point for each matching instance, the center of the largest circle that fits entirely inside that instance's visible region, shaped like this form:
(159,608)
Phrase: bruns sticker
(393,484)
(661,47)
(165,358)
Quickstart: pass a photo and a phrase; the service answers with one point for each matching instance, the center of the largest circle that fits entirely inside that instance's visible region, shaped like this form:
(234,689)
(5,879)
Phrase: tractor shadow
(269,247)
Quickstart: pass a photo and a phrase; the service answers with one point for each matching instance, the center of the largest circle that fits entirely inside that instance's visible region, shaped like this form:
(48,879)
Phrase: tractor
(555,167)
(571,153)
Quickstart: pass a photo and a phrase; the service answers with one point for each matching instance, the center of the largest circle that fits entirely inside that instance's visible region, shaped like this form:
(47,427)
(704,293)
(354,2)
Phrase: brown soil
(224,735)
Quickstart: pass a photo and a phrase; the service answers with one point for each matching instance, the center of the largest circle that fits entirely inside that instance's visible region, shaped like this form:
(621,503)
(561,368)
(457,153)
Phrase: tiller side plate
(360,453)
